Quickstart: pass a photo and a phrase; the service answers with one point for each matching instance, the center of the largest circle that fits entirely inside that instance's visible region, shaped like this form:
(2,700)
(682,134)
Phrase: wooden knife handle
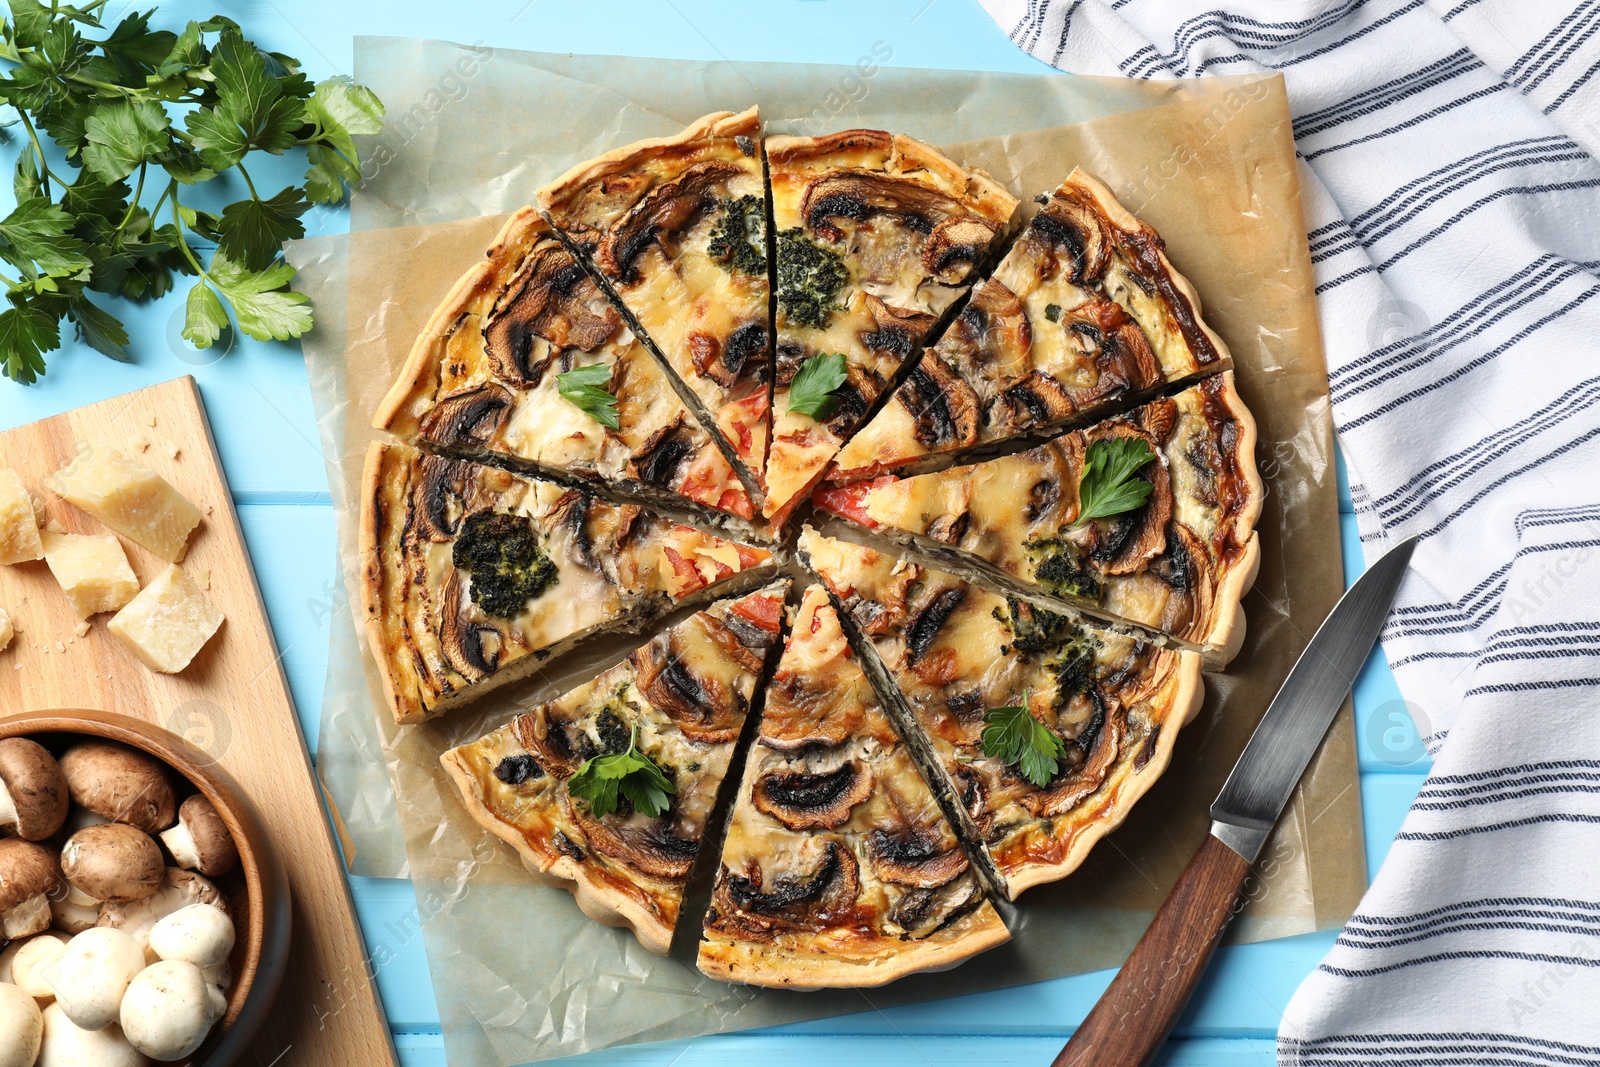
(1138,1009)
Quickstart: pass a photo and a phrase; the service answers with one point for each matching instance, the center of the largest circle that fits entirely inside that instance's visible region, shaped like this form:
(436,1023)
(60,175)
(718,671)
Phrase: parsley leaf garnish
(1014,736)
(606,781)
(1052,312)
(141,115)
(1110,484)
(580,387)
(811,390)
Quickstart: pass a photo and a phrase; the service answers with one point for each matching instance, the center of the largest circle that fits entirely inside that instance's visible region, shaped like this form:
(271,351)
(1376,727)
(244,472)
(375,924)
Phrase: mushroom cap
(203,838)
(37,788)
(26,870)
(199,934)
(179,889)
(168,1010)
(30,966)
(121,783)
(21,1028)
(113,862)
(92,974)
(68,1045)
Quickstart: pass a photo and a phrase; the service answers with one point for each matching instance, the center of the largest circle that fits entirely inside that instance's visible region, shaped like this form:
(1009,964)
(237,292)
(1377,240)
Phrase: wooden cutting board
(232,701)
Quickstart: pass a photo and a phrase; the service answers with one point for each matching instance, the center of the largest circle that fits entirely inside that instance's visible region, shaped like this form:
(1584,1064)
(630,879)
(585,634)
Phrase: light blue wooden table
(260,409)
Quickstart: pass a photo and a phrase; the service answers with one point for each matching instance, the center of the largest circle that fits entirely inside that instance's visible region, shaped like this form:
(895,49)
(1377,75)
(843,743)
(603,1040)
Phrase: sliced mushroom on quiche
(677,227)
(838,868)
(1106,705)
(1179,562)
(512,369)
(472,576)
(1083,314)
(670,714)
(877,235)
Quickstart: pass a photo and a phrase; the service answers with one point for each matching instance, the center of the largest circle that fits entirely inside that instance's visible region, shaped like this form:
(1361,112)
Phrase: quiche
(838,868)
(877,235)
(677,228)
(472,576)
(490,379)
(679,702)
(950,653)
(1179,563)
(1082,315)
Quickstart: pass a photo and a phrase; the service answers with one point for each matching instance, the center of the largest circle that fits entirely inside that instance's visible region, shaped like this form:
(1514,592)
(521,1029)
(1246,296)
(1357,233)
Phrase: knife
(1138,1009)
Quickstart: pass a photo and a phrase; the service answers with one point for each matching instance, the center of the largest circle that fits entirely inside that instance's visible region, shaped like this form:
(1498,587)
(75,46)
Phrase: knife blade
(1133,1017)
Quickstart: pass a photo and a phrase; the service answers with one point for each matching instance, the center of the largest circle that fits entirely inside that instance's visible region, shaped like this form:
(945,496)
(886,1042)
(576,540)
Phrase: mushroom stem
(180,842)
(30,917)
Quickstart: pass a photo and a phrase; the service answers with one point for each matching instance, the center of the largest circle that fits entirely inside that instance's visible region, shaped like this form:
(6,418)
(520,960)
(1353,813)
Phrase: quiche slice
(677,227)
(838,868)
(877,235)
(484,381)
(679,702)
(950,653)
(472,576)
(1179,563)
(1084,313)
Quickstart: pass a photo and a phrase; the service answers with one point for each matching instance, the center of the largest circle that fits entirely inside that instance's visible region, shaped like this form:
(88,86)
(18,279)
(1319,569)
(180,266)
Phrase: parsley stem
(45,173)
(177,222)
(138,191)
(253,194)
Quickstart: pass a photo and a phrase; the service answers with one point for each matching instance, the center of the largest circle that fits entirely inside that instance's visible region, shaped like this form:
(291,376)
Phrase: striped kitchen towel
(1453,205)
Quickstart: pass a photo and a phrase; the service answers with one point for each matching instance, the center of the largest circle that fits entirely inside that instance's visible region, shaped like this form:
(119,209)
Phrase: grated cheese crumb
(173,451)
(202,578)
(140,442)
(150,419)
(61,646)
(54,526)
(81,629)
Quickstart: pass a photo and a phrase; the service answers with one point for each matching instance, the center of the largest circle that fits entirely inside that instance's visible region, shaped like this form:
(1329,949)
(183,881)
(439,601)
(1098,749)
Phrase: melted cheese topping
(599,582)
(817,683)
(1018,511)
(972,664)
(538,814)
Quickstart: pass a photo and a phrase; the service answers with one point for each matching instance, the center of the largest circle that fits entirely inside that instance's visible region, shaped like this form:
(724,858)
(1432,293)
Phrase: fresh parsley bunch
(138,106)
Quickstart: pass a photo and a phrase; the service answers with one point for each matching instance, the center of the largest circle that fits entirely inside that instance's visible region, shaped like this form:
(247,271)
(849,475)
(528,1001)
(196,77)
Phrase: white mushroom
(30,968)
(201,841)
(112,862)
(28,875)
(67,1045)
(168,1010)
(33,791)
(21,1028)
(91,975)
(219,978)
(199,934)
(179,889)
(121,783)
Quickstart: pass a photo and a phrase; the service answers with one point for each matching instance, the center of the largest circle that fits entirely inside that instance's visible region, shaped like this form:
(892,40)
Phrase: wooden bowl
(257,889)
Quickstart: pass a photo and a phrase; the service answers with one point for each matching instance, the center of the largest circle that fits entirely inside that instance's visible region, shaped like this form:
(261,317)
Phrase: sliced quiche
(838,868)
(607,789)
(472,576)
(961,660)
(1178,562)
(877,235)
(526,364)
(1084,313)
(677,227)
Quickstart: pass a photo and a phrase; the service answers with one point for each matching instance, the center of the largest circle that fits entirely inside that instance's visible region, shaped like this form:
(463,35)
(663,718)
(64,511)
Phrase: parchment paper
(518,971)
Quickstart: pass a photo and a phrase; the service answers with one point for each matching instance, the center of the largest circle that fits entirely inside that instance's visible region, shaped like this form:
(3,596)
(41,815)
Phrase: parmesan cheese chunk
(168,623)
(91,569)
(7,631)
(130,498)
(19,525)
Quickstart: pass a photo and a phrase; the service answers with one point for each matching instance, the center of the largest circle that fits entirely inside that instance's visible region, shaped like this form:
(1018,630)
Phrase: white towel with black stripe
(1453,206)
